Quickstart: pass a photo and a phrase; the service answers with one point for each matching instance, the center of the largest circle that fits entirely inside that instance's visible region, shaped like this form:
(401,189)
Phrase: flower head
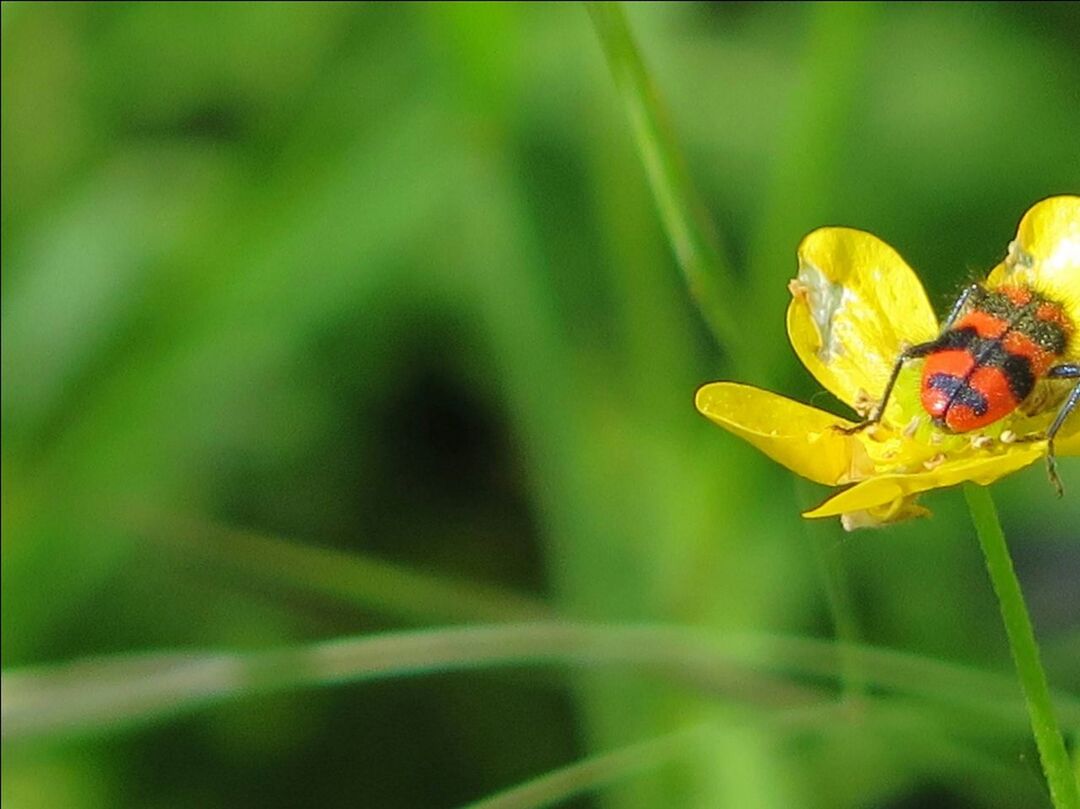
(855,306)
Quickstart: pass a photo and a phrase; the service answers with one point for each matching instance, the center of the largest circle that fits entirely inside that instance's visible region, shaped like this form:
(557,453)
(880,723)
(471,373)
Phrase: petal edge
(800,437)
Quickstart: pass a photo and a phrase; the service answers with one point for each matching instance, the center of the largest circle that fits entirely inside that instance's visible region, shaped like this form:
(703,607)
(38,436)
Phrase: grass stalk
(682,214)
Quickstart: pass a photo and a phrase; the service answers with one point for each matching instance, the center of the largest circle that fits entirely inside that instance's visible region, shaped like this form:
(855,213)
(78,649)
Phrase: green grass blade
(683,216)
(811,156)
(99,694)
(374,584)
(837,590)
(593,773)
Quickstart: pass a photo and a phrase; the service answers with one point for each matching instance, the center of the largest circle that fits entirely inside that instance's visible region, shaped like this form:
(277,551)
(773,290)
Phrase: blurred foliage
(386,282)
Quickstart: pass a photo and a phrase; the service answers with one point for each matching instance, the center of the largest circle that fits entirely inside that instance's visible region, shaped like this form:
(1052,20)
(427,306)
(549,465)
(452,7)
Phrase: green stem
(835,581)
(837,590)
(365,581)
(1064,792)
(594,772)
(693,240)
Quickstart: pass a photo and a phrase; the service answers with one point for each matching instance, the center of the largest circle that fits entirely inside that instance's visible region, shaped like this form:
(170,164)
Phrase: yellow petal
(886,489)
(1046,253)
(855,304)
(800,437)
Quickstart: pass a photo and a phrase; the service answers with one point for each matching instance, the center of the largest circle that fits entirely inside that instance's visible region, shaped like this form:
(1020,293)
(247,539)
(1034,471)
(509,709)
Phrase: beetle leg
(1060,372)
(909,353)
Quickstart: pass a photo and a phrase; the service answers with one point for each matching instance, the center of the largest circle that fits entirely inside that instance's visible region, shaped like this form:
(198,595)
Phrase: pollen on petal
(854,302)
(1046,253)
(936,461)
(881,490)
(825,300)
(1016,258)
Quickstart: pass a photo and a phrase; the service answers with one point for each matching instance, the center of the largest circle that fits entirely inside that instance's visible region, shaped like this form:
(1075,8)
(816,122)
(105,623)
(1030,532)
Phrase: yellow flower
(855,306)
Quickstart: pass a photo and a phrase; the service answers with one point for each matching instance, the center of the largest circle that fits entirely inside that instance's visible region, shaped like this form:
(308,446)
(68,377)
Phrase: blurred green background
(380,291)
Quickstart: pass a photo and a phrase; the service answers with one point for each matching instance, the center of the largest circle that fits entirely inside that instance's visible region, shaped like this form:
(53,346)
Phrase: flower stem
(1064,791)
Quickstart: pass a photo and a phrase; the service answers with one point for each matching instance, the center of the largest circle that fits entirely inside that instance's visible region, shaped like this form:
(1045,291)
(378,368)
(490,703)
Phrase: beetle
(996,344)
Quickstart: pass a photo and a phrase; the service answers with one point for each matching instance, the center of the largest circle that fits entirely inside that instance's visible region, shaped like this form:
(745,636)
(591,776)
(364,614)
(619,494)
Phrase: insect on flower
(989,391)
(1000,339)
